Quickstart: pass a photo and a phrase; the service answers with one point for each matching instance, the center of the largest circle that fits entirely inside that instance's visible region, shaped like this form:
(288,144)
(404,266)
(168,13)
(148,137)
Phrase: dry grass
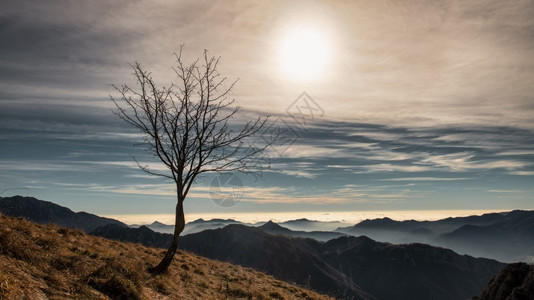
(50,262)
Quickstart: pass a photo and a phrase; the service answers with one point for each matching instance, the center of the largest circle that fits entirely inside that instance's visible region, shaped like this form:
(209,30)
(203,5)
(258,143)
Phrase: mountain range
(201,225)
(191,227)
(346,267)
(198,225)
(507,236)
(304,224)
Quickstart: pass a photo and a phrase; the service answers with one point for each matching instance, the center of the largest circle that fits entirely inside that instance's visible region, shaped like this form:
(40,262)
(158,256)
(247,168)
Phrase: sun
(304,53)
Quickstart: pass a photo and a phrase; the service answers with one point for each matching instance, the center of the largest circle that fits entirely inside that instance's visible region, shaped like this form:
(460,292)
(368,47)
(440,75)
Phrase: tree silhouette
(186,126)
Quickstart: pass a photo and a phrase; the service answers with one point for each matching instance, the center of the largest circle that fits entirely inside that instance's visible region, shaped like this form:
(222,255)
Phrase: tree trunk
(179,225)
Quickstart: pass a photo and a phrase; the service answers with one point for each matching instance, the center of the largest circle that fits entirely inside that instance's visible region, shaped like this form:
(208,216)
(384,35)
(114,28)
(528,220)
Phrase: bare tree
(186,126)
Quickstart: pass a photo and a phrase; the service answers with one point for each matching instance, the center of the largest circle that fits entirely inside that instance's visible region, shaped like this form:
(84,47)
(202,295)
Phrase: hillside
(514,282)
(51,262)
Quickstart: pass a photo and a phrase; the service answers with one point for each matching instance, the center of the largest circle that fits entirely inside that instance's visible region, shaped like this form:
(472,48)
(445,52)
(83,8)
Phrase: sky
(383,105)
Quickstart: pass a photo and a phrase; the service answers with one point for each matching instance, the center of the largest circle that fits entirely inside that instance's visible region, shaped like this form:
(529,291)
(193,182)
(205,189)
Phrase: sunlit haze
(304,53)
(348,217)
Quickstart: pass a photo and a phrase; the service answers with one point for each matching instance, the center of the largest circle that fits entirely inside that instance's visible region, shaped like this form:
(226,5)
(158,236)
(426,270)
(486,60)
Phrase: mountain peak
(158,224)
(377,222)
(215,220)
(272,226)
(222,220)
(270,223)
(301,220)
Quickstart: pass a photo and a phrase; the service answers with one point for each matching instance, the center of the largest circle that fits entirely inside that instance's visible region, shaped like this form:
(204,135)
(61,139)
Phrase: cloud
(154,166)
(336,196)
(464,161)
(467,61)
(406,150)
(523,173)
(507,191)
(427,179)
(309,151)
(160,189)
(517,153)
(296,171)
(74,166)
(49,166)
(428,93)
(395,168)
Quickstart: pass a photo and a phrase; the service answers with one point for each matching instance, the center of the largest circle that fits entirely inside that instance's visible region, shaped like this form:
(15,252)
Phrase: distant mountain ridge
(304,224)
(157,227)
(507,236)
(195,226)
(201,225)
(511,233)
(274,229)
(44,212)
(439,226)
(324,229)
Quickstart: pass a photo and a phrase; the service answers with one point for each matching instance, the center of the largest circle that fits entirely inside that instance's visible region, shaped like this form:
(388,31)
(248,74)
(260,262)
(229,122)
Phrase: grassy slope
(39,262)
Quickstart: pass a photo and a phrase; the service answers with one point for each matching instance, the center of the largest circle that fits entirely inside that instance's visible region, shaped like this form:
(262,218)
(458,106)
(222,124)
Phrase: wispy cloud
(386,149)
(523,173)
(507,191)
(395,168)
(465,161)
(517,153)
(154,166)
(73,165)
(309,151)
(427,179)
(48,166)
